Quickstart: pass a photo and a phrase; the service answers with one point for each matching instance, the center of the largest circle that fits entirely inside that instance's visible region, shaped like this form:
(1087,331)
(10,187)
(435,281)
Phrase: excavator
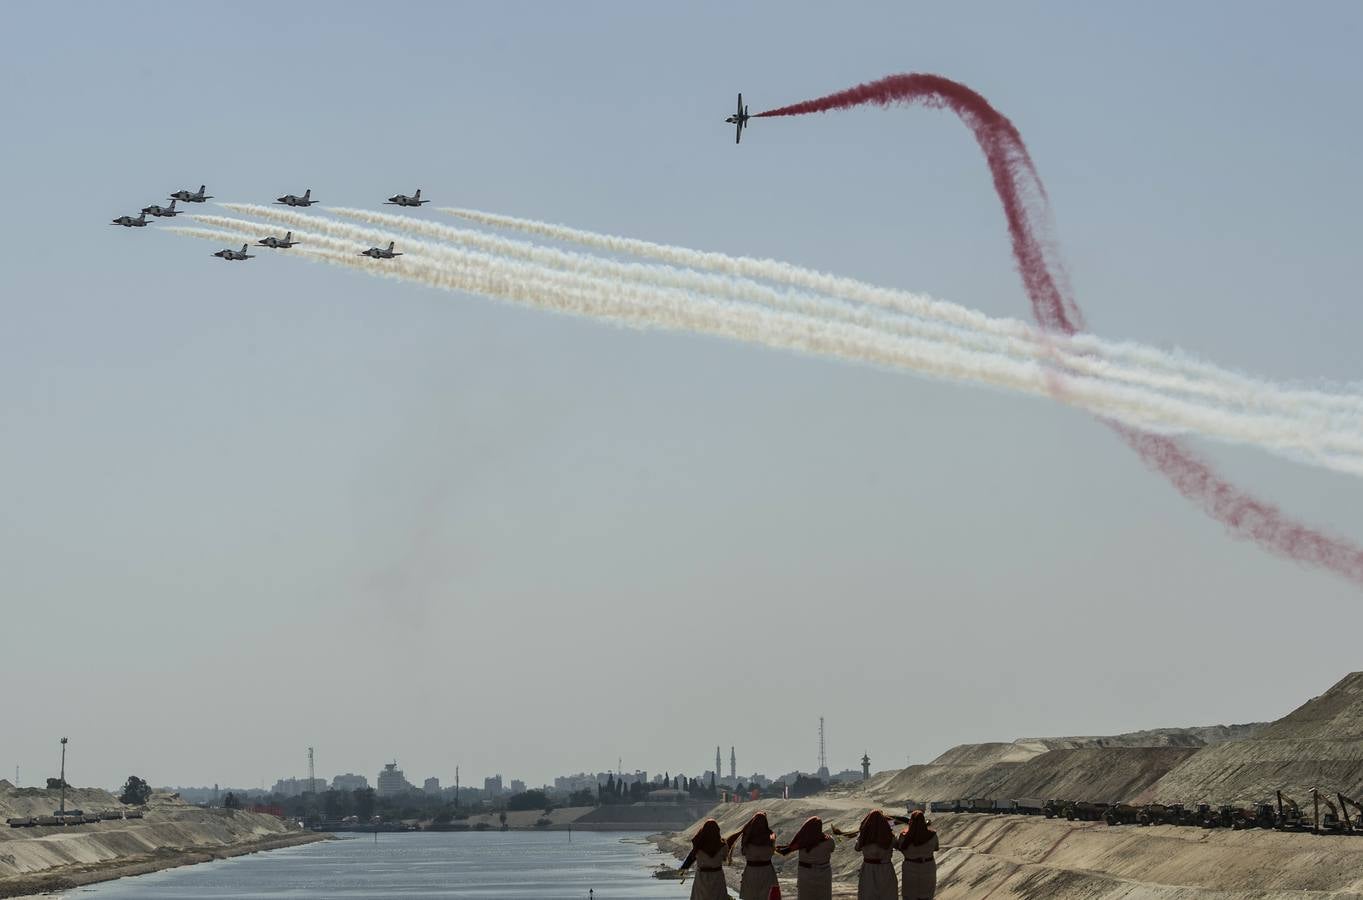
(1351,825)
(1328,823)
(1290,817)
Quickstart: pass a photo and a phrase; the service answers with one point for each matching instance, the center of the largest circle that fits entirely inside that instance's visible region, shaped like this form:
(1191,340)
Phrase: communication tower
(823,757)
(312,772)
(733,765)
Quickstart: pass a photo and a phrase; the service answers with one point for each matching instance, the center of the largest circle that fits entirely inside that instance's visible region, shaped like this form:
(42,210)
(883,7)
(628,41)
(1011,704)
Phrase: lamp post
(63,777)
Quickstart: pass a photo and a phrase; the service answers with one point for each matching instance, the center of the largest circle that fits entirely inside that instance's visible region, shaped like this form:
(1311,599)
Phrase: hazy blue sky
(248,508)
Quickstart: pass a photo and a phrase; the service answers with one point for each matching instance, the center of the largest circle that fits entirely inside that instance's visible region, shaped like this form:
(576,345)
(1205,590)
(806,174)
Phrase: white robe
(877,881)
(814,875)
(757,880)
(709,883)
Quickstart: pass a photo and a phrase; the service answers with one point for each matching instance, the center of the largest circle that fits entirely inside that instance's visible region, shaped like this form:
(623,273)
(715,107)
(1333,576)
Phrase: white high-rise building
(392,782)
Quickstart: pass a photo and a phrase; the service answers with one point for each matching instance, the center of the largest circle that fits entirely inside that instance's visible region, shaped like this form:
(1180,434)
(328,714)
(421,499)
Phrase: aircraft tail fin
(243,248)
(390,246)
(288,236)
(418,194)
(202,188)
(172,204)
(307,195)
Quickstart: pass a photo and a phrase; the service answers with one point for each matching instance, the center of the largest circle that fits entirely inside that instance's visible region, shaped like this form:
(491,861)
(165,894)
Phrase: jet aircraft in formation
(191,196)
(167,212)
(294,200)
(230,254)
(380,253)
(130,222)
(404,200)
(739,119)
(275,243)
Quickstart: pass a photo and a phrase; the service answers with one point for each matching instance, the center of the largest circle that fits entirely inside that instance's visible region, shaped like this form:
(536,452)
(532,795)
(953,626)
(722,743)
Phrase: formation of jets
(274,243)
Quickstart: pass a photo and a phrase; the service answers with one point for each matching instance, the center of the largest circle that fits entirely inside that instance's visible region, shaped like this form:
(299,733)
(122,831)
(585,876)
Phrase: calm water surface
(503,865)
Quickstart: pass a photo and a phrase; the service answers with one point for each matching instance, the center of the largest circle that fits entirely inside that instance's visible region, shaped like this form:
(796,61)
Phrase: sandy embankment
(34,860)
(1026,858)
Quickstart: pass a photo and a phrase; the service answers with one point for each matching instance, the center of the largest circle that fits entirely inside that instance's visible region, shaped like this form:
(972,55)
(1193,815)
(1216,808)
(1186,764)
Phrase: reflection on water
(513,865)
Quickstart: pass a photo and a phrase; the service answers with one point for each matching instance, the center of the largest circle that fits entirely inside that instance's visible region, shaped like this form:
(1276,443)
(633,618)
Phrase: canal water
(502,865)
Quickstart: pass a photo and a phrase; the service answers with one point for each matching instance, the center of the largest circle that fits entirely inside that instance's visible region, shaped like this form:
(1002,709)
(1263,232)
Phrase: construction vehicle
(1085,811)
(1206,817)
(1290,817)
(1258,816)
(1121,814)
(1327,822)
(1351,825)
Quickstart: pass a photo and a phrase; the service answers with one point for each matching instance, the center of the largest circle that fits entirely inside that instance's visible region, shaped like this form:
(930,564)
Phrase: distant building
(567,784)
(845,776)
(493,786)
(349,782)
(517,786)
(431,787)
(392,782)
(294,787)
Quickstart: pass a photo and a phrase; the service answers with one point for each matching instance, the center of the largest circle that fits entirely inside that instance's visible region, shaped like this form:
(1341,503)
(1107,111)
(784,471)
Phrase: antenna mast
(823,757)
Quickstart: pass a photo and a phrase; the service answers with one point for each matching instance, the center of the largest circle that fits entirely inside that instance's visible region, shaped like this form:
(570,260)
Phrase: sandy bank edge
(164,858)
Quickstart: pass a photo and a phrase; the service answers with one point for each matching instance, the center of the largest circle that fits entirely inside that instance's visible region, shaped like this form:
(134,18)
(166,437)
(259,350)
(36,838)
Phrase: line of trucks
(73,817)
(1323,815)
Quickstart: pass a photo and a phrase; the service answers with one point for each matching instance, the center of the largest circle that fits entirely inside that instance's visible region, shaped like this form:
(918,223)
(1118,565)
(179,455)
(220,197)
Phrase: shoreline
(164,858)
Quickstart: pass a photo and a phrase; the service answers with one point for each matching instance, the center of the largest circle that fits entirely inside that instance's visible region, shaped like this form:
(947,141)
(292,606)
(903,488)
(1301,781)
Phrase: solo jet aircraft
(168,212)
(404,200)
(292,200)
(230,254)
(130,222)
(380,253)
(739,118)
(275,243)
(191,196)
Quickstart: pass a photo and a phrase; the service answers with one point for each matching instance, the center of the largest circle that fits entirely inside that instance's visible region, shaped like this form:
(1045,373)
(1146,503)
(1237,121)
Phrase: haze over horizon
(252,508)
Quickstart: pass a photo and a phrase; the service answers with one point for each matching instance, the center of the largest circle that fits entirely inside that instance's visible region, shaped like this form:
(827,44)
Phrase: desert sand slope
(171,833)
(1105,774)
(1028,769)
(966,770)
(1320,744)
(1027,858)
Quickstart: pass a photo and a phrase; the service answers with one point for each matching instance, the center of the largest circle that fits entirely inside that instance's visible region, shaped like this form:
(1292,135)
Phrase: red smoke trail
(1027,210)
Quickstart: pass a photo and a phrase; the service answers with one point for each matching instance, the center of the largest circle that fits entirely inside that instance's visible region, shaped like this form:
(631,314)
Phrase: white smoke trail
(1001,337)
(1248,391)
(647,306)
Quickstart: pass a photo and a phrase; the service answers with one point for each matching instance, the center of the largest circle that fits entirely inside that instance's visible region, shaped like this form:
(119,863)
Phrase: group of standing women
(876,841)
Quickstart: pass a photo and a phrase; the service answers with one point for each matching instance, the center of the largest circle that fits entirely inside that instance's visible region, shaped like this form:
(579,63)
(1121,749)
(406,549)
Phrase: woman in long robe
(875,840)
(757,843)
(918,843)
(707,853)
(814,877)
